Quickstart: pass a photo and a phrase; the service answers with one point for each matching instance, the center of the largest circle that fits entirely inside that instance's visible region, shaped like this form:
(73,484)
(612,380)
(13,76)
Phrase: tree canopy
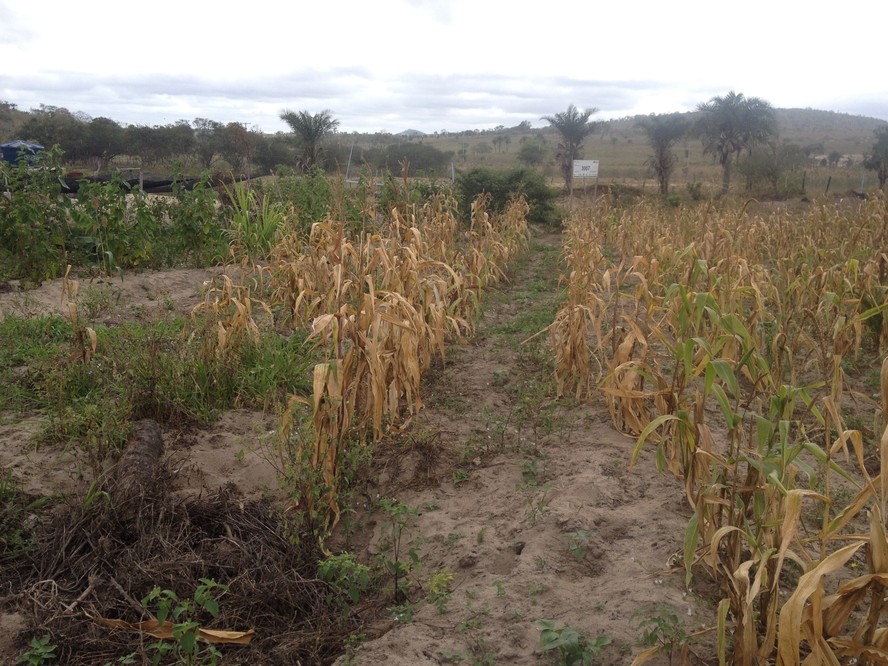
(311,130)
(878,160)
(662,132)
(573,125)
(731,124)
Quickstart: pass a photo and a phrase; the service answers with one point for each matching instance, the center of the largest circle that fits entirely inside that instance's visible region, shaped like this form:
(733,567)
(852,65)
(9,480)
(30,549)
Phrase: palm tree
(574,126)
(878,160)
(311,129)
(731,124)
(662,133)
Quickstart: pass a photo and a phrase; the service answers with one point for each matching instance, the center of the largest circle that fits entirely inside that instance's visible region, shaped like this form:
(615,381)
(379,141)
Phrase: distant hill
(801,126)
(411,132)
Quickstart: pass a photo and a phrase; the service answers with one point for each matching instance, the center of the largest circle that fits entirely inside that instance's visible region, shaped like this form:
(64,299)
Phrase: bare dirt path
(526,501)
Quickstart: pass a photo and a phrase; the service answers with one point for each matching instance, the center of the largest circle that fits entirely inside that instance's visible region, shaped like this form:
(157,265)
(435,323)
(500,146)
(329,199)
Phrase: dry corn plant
(493,239)
(85,338)
(847,625)
(580,318)
(734,308)
(226,317)
(383,306)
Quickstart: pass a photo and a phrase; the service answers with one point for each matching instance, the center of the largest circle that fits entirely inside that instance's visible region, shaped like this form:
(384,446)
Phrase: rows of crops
(382,303)
(745,347)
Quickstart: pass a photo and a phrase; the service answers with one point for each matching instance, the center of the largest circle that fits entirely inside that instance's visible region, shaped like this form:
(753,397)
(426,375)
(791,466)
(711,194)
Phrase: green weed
(570,647)
(183,614)
(41,651)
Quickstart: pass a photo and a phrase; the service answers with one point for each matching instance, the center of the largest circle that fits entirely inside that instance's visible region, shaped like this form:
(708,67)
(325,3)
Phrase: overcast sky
(434,64)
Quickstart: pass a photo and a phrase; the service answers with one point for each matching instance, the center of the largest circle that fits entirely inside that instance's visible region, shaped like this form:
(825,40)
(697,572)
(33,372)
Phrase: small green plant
(672,200)
(453,538)
(662,628)
(346,577)
(450,656)
(40,651)
(254,222)
(571,647)
(399,515)
(185,627)
(460,476)
(439,589)
(531,470)
(578,542)
(98,298)
(475,612)
(352,643)
(534,590)
(537,504)
(500,588)
(403,613)
(481,653)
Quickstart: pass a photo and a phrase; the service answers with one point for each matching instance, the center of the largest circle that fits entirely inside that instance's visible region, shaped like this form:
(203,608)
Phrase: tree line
(739,132)
(730,127)
(205,144)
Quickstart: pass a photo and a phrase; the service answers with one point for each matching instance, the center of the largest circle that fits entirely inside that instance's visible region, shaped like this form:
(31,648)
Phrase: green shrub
(503,185)
(196,236)
(33,219)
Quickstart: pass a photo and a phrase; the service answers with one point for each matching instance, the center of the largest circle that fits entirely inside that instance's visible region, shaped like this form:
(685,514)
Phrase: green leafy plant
(41,651)
(346,576)
(450,656)
(571,647)
(185,627)
(537,504)
(196,234)
(101,231)
(254,223)
(438,589)
(662,629)
(399,515)
(460,476)
(33,219)
(502,186)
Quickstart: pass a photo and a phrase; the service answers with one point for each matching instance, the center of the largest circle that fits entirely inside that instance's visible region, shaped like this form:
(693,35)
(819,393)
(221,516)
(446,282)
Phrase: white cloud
(432,64)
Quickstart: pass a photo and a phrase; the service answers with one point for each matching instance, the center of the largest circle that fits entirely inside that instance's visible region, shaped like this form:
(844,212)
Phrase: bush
(503,185)
(33,219)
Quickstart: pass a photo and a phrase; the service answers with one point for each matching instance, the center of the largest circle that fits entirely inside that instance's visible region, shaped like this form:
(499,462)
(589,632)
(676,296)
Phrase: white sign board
(585,168)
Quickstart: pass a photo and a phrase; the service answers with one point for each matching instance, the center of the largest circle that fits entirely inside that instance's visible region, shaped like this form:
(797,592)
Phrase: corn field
(746,348)
(382,303)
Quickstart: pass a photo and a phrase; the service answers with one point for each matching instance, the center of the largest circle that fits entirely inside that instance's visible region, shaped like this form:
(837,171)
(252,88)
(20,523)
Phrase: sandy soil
(108,300)
(502,489)
(531,491)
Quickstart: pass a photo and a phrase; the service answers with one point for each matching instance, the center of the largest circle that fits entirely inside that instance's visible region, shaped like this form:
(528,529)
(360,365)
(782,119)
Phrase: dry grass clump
(85,577)
(725,337)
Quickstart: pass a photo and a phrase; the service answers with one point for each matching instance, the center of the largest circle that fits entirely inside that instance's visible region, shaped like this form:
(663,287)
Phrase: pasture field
(623,150)
(365,426)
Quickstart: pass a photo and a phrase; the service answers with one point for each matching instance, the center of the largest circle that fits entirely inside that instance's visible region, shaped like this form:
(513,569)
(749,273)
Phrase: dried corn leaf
(164,630)
(789,634)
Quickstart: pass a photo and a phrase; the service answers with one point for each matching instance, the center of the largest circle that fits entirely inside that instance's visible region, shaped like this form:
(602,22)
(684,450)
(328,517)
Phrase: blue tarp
(12,151)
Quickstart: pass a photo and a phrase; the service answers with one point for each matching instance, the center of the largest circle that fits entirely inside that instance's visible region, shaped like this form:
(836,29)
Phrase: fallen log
(137,467)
